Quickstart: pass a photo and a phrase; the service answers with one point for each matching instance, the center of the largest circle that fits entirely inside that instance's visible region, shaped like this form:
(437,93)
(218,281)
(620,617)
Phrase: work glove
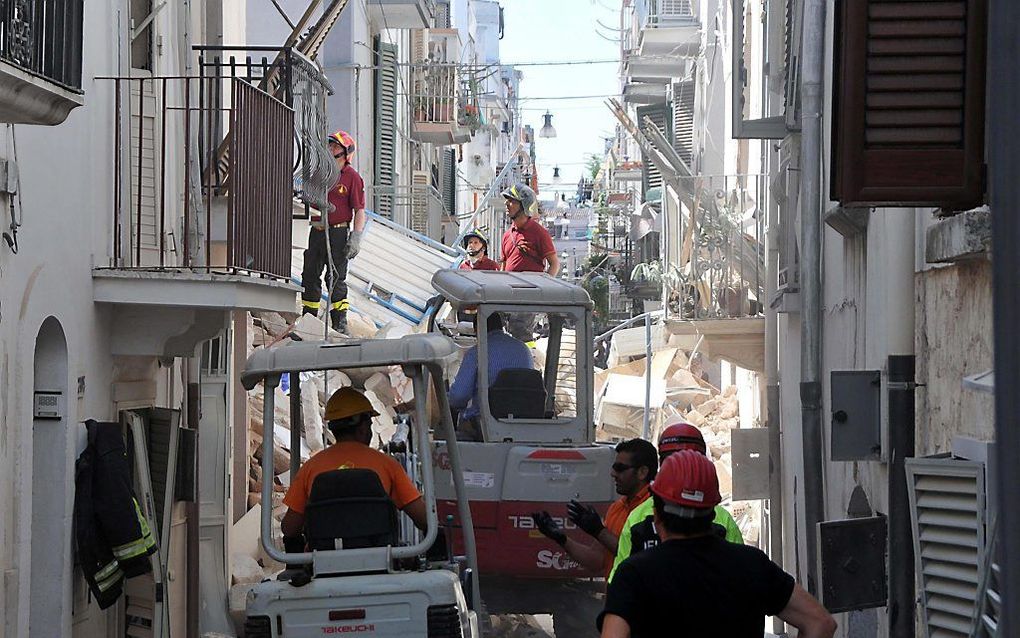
(549,528)
(354,244)
(585,517)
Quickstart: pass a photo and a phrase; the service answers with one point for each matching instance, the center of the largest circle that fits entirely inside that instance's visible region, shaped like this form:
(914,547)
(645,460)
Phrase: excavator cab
(366,572)
(535,447)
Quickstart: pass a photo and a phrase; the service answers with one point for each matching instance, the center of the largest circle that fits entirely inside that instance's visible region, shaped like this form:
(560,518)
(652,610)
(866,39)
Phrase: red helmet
(687,482)
(344,139)
(681,435)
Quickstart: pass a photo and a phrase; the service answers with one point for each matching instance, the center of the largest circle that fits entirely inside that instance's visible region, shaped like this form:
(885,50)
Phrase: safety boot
(338,320)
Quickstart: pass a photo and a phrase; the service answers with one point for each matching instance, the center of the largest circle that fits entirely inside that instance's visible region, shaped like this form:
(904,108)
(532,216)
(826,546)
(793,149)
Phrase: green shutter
(660,115)
(450,181)
(385,126)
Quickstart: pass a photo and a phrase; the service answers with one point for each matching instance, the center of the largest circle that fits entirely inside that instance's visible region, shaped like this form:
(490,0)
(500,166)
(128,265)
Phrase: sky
(562,30)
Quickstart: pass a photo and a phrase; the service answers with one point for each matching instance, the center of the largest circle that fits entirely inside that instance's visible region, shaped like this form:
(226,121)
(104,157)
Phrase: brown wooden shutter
(908,103)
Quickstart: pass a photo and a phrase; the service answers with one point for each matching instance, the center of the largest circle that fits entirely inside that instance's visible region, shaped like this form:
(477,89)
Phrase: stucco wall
(953,339)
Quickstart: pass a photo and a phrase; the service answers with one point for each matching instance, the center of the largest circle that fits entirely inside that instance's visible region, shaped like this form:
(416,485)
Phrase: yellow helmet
(348,402)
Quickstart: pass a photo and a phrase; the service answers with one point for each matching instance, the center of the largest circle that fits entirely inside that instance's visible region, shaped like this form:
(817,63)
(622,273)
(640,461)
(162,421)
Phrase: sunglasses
(622,467)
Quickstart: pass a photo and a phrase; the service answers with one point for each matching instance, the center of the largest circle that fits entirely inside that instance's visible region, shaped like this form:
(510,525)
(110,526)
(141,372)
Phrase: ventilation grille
(947,513)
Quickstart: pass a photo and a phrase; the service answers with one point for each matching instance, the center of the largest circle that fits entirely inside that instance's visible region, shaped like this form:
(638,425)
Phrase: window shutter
(683,121)
(385,126)
(947,513)
(450,181)
(660,115)
(908,125)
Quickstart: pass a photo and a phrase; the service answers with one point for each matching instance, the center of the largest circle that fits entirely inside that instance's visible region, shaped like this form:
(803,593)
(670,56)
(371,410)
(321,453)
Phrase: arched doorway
(51,485)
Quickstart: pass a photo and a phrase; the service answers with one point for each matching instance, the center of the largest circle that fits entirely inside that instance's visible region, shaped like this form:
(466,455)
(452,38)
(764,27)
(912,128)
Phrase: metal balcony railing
(716,258)
(203,172)
(435,93)
(418,207)
(43,37)
(658,13)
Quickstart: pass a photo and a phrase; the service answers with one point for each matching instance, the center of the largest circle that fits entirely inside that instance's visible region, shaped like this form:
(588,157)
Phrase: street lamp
(547,128)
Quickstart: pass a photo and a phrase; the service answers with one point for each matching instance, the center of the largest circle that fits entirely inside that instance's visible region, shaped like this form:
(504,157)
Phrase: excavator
(534,448)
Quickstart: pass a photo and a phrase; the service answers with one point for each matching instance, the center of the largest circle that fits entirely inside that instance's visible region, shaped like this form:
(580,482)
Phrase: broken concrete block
(236,604)
(360,327)
(311,417)
(379,385)
(273,323)
(244,569)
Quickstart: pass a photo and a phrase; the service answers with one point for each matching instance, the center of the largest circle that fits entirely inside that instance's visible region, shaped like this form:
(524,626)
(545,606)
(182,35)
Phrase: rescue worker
(477,249)
(527,247)
(503,352)
(633,470)
(349,417)
(696,582)
(344,226)
(639,531)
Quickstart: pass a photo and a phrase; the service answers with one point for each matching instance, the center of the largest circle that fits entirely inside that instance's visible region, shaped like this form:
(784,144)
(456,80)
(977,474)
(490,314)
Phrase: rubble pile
(677,389)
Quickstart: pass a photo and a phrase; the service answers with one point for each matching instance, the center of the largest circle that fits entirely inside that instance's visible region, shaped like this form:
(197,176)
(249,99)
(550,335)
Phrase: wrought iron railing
(43,37)
(203,175)
(435,93)
(715,260)
(418,207)
(654,13)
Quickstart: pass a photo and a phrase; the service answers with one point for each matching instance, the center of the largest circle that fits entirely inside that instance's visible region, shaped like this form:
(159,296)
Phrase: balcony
(715,279)
(438,100)
(202,198)
(667,27)
(402,14)
(642,93)
(40,61)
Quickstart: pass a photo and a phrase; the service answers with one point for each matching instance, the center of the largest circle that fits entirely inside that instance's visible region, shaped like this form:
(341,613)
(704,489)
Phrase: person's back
(703,586)
(504,352)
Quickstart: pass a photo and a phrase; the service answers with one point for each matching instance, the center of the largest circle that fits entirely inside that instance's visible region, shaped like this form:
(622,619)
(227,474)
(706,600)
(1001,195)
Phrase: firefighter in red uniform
(477,249)
(343,228)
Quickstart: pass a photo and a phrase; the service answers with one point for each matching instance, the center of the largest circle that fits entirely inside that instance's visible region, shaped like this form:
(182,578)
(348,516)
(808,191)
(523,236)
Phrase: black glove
(549,528)
(585,517)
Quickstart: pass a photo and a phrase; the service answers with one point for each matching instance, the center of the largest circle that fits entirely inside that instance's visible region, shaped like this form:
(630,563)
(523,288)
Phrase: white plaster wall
(66,177)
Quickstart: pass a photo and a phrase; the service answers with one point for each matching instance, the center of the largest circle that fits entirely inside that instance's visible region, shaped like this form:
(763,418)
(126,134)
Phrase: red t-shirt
(482,264)
(347,196)
(525,249)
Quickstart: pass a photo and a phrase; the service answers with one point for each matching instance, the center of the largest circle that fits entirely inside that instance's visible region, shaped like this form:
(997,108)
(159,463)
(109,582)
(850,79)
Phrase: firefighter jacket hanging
(112,538)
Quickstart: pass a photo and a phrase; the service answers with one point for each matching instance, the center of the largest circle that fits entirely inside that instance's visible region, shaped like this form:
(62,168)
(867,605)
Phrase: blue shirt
(504,352)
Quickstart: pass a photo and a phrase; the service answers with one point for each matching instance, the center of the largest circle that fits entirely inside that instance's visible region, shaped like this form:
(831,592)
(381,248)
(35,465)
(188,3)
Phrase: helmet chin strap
(473,253)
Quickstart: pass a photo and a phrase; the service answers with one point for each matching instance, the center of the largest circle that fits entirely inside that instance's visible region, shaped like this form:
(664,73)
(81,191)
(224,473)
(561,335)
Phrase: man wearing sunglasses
(638,532)
(633,470)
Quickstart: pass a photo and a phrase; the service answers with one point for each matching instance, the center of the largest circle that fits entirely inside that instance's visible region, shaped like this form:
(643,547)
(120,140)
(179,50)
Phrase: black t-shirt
(699,587)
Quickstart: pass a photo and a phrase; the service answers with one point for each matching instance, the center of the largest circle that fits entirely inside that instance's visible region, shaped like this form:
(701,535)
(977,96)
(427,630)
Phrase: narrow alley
(509,318)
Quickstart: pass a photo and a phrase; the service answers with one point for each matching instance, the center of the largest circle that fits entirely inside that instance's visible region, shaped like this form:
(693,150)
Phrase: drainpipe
(772,407)
(897,232)
(1004,196)
(812,59)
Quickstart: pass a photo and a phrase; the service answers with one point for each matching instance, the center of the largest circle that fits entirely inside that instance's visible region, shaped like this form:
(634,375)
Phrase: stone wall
(953,339)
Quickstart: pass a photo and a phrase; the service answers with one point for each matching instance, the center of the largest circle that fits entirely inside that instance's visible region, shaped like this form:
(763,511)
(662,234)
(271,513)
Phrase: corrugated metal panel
(385,124)
(390,280)
(947,512)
